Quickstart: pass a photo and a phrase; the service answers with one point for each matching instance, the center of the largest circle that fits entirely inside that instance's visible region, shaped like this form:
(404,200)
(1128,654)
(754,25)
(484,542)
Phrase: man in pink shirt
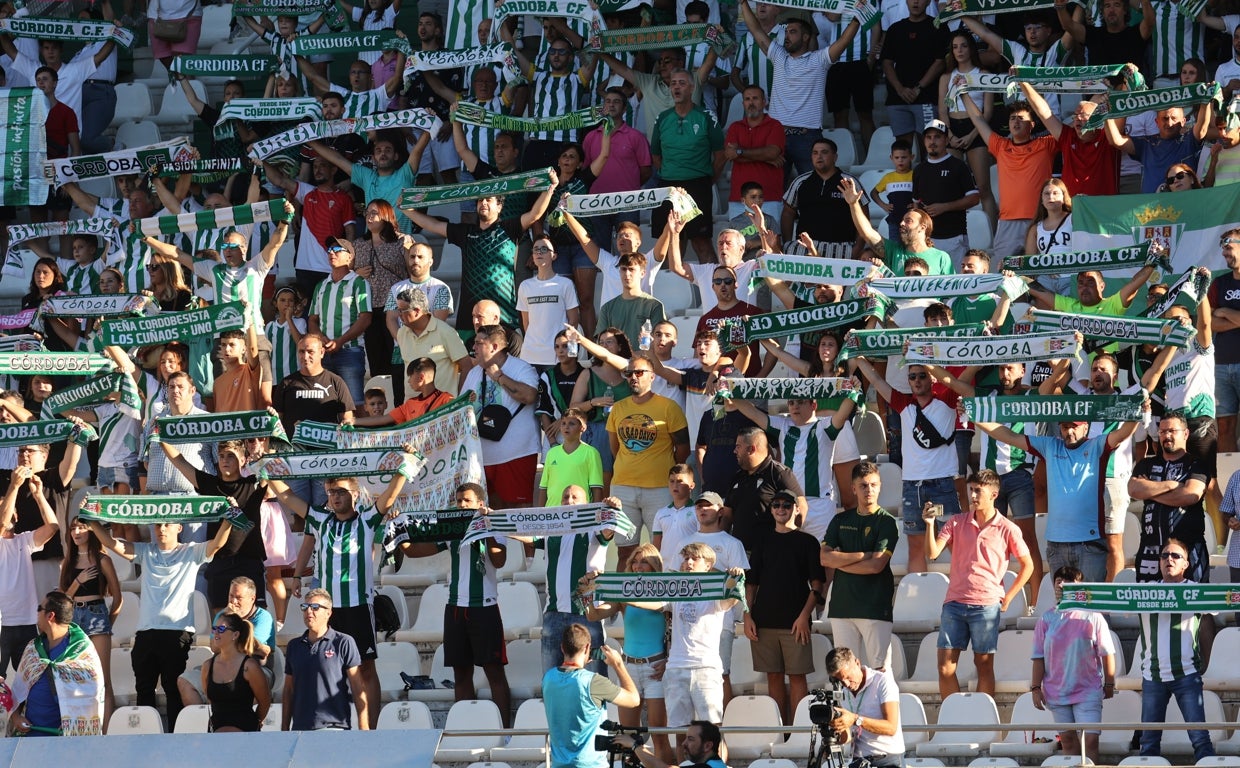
(627,168)
(981,544)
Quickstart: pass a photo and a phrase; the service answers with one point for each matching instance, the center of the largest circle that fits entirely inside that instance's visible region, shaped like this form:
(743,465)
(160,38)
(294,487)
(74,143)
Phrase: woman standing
(379,258)
(963,140)
(60,334)
(87,576)
(1051,231)
(233,679)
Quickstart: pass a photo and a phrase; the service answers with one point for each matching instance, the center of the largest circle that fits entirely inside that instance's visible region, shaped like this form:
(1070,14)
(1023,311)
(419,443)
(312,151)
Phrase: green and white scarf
(219,218)
(1124,104)
(815,388)
(332,12)
(45,431)
(65,29)
(266,111)
(421,197)
(100,226)
(316,434)
(99,305)
(23,147)
(374,462)
(53,363)
(475,114)
(350,42)
(205,65)
(217,427)
(957,8)
(658,38)
(549,521)
(444,525)
(1192,284)
(77,686)
(624,202)
(792,322)
(991,350)
(815,269)
(149,510)
(580,10)
(494,53)
(1101,260)
(1126,330)
(1090,79)
(940,286)
(190,324)
(202,171)
(119,163)
(866,12)
(1054,408)
(24,342)
(1151,598)
(667,587)
(420,118)
(888,342)
(96,392)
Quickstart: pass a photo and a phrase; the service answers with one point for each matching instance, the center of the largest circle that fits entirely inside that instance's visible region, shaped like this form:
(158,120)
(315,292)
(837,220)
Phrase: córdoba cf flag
(1188,223)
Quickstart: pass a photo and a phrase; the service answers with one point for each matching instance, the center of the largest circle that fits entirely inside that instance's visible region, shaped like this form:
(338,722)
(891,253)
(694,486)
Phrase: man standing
(755,147)
(1224,296)
(813,204)
(799,85)
(747,506)
(1172,660)
(326,214)
(752,66)
(687,147)
(557,90)
(912,61)
(946,188)
(633,308)
(871,723)
(389,177)
(981,544)
(628,167)
(54,489)
(1091,164)
(1176,142)
(1171,483)
(162,475)
(915,230)
(340,310)
(648,434)
(322,676)
(421,334)
(1115,42)
(858,548)
(575,697)
(421,92)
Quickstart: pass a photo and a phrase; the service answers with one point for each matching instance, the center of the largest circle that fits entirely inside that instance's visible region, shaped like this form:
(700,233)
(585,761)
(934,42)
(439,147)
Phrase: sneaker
(279,626)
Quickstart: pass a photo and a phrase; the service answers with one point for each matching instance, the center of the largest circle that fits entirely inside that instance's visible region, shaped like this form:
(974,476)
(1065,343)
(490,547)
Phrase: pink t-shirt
(630,151)
(980,557)
(1073,644)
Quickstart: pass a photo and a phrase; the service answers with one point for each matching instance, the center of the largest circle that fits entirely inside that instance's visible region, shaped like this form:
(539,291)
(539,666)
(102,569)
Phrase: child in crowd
(894,191)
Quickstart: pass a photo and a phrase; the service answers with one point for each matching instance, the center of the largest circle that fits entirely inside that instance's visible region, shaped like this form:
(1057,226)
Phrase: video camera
(608,743)
(825,706)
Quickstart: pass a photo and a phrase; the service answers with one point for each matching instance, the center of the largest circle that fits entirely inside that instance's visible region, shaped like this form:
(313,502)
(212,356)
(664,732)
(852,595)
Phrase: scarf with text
(207,65)
(1151,597)
(815,269)
(217,427)
(266,111)
(475,114)
(1124,104)
(1054,408)
(1102,260)
(549,521)
(53,363)
(218,218)
(1192,285)
(96,392)
(17,320)
(148,510)
(99,226)
(991,350)
(667,587)
(1076,80)
(202,171)
(791,322)
(814,388)
(122,162)
(331,10)
(420,118)
(443,525)
(350,42)
(889,342)
(866,13)
(421,197)
(579,10)
(954,9)
(44,431)
(494,53)
(624,202)
(22,342)
(658,38)
(23,147)
(184,326)
(940,286)
(1127,330)
(75,30)
(374,462)
(99,305)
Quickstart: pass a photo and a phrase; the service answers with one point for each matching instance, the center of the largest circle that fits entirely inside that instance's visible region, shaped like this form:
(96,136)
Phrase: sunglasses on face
(781,505)
(916,376)
(1172,556)
(337,249)
(1173,178)
(724,281)
(220,629)
(638,374)
(314,607)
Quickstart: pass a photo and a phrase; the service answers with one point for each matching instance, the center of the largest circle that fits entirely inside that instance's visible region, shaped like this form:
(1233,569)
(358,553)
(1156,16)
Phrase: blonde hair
(646,553)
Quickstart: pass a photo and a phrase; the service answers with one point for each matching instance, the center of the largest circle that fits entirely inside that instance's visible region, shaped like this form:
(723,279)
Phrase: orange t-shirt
(1023,169)
(419,406)
(237,390)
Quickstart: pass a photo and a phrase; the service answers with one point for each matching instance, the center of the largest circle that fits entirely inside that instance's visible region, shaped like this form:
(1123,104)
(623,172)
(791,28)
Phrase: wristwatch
(740,151)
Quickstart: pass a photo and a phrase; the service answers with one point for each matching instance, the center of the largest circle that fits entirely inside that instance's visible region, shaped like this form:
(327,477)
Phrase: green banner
(475,114)
(53,363)
(888,342)
(173,326)
(1151,598)
(45,431)
(1124,104)
(203,171)
(991,350)
(530,181)
(23,147)
(1127,330)
(217,427)
(809,388)
(816,269)
(1054,408)
(98,305)
(667,587)
(1128,257)
(792,322)
(148,510)
(248,66)
(445,525)
(338,463)
(96,391)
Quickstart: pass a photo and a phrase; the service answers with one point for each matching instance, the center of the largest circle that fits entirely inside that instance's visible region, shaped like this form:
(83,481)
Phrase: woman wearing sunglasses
(233,678)
(1180,177)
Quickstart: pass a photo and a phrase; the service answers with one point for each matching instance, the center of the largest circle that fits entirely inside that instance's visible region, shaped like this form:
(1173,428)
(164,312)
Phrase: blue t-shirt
(643,632)
(376,187)
(321,695)
(574,699)
(264,626)
(1073,486)
(42,707)
(1156,155)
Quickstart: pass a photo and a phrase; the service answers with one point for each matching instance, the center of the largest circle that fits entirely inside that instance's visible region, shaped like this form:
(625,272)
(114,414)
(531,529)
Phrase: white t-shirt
(609,266)
(878,689)
(547,302)
(523,435)
(704,273)
(922,463)
(910,313)
(19,600)
(168,580)
(696,626)
(669,390)
(729,553)
(674,524)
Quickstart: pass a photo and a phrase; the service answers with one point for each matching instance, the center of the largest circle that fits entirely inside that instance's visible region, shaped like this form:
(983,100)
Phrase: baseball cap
(343,243)
(710,497)
(784,493)
(935,125)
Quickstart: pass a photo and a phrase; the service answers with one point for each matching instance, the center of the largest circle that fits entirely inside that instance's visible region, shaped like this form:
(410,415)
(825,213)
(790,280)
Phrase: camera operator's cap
(710,497)
(935,125)
(784,493)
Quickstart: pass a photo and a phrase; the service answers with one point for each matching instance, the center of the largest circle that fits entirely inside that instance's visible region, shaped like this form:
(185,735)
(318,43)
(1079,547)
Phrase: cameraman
(575,700)
(869,714)
(700,746)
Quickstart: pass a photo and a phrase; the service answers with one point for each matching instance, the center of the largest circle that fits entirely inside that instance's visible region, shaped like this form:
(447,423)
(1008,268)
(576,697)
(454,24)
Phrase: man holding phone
(576,698)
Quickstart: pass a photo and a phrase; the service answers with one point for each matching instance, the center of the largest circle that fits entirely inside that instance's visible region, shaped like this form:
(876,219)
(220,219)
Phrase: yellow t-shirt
(645,434)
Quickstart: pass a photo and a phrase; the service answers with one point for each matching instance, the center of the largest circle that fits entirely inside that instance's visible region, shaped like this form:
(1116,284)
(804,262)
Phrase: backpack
(387,620)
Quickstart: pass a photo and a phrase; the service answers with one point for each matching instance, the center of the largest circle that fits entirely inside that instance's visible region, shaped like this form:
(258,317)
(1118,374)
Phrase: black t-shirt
(781,567)
(555,390)
(1103,47)
(319,398)
(1160,522)
(750,499)
(945,181)
(516,204)
(820,207)
(249,495)
(420,93)
(913,47)
(29,518)
(719,438)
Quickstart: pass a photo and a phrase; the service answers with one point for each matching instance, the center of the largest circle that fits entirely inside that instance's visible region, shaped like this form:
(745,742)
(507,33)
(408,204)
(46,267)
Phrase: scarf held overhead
(1101,260)
(549,521)
(374,462)
(421,197)
(804,320)
(941,286)
(122,162)
(65,29)
(218,218)
(173,326)
(99,305)
(624,202)
(420,118)
(1124,104)
(666,587)
(1128,330)
(889,342)
(53,363)
(814,388)
(991,350)
(95,392)
(475,114)
(148,510)
(1054,408)
(217,427)
(44,431)
(815,269)
(445,525)
(224,66)
(268,111)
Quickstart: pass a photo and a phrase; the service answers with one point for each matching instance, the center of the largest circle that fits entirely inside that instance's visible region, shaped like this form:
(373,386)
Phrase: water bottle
(572,347)
(647,334)
(611,393)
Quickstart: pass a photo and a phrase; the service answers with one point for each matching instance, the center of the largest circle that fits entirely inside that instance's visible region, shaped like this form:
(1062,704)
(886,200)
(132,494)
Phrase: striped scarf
(218,218)
(420,118)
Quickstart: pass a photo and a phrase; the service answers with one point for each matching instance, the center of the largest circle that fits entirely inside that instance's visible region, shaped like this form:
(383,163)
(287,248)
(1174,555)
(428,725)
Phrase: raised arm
(332,156)
(539,209)
(419,147)
(119,546)
(1042,109)
(1004,435)
(866,368)
(845,39)
(984,33)
(588,245)
(288,499)
(178,460)
(1069,22)
(755,27)
(1129,291)
(268,254)
(280,179)
(852,196)
(469,158)
(1117,138)
(979,120)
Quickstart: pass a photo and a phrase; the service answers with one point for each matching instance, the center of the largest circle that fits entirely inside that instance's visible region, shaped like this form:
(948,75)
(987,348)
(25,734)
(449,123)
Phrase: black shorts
(1203,442)
(850,81)
(358,622)
(473,637)
(963,126)
(700,190)
(224,568)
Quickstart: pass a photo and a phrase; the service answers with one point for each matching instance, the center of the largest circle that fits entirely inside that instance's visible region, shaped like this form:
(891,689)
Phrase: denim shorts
(940,490)
(93,617)
(110,476)
(569,258)
(1088,711)
(1227,389)
(963,626)
(1016,494)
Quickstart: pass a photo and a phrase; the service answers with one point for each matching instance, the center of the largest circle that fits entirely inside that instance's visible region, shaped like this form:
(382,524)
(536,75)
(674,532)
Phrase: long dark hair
(58,280)
(624,346)
(94,548)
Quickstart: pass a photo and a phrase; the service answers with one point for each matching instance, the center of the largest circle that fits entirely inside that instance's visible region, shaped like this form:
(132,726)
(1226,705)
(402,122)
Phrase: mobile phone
(596,654)
(936,510)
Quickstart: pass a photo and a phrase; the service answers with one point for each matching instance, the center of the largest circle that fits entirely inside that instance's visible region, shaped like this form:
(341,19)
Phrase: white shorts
(695,693)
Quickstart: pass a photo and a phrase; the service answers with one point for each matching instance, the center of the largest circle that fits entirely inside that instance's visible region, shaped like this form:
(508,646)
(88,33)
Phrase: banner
(579,10)
(812,388)
(96,391)
(248,66)
(184,326)
(1124,104)
(815,269)
(53,363)
(445,525)
(475,114)
(350,42)
(889,342)
(1151,598)
(98,305)
(1054,408)
(666,587)
(624,202)
(17,321)
(420,118)
(530,181)
(549,521)
(217,427)
(991,350)
(45,431)
(100,226)
(218,218)
(23,147)
(954,9)
(941,286)
(804,320)
(268,111)
(148,510)
(327,465)
(64,29)
(119,163)
(1103,260)
(1128,330)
